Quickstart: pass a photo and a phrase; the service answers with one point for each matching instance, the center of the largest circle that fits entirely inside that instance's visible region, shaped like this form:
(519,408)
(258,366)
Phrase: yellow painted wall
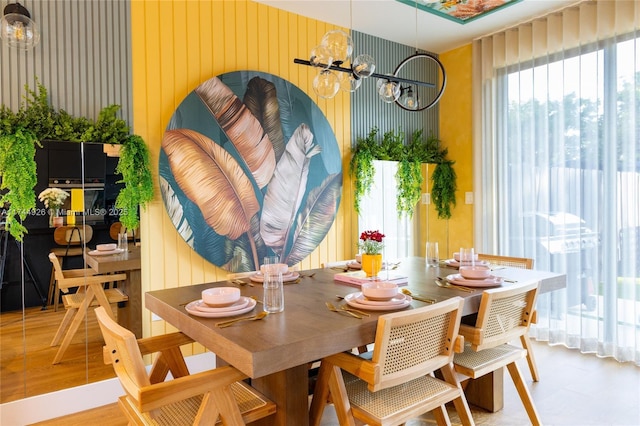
(176,45)
(456,135)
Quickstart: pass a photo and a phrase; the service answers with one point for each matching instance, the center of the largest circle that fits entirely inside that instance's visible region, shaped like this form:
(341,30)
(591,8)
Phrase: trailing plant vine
(17,152)
(409,175)
(136,174)
(37,120)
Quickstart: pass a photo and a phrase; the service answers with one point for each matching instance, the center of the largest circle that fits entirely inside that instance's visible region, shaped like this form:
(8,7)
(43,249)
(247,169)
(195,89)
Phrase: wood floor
(32,374)
(574,389)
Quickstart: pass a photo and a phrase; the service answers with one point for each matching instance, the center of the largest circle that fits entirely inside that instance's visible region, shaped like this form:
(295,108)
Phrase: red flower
(371,242)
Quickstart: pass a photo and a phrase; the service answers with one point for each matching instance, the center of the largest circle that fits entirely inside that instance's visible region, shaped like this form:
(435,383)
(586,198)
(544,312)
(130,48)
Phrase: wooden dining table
(275,352)
(130,312)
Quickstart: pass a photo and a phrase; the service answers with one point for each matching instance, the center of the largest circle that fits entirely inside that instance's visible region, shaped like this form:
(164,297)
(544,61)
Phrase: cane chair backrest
(505,313)
(409,343)
(513,262)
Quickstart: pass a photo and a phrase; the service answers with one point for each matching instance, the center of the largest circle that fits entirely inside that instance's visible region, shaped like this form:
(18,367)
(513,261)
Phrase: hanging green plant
(134,166)
(409,174)
(36,120)
(361,165)
(443,191)
(18,172)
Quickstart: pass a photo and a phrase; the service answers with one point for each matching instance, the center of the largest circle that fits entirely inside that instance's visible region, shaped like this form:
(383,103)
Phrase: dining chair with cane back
(397,384)
(505,314)
(186,399)
(90,292)
(71,241)
(522,263)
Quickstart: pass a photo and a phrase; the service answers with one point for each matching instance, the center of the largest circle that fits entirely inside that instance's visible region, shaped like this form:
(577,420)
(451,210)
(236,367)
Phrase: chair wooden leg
(320,396)
(75,324)
(526,343)
(441,416)
(227,406)
(68,316)
(524,393)
(53,297)
(340,397)
(462,407)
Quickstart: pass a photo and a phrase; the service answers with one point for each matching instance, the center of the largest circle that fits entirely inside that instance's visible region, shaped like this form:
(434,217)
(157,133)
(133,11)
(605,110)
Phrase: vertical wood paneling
(83,58)
(230,36)
(368,110)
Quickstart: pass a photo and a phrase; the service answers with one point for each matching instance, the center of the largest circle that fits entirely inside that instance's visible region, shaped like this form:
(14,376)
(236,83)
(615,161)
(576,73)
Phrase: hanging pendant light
(326,84)
(321,57)
(408,98)
(339,44)
(17,29)
(363,66)
(389,91)
(349,82)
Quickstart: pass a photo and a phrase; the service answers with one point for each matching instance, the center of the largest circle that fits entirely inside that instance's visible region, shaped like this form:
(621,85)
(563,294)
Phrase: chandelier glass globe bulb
(17,29)
(363,66)
(349,82)
(326,84)
(321,57)
(388,91)
(340,45)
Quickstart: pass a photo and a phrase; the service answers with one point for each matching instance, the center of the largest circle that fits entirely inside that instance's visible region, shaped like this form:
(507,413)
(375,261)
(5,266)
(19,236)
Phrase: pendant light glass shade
(408,99)
(340,45)
(326,84)
(363,66)
(17,29)
(321,57)
(349,82)
(389,91)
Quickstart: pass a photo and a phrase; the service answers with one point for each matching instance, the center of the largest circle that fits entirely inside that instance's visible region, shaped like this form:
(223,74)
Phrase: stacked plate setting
(378,296)
(287,276)
(220,302)
(105,249)
(475,276)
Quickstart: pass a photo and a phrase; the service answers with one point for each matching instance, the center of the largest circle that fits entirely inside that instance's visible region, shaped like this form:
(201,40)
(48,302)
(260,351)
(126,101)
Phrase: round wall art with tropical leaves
(249,168)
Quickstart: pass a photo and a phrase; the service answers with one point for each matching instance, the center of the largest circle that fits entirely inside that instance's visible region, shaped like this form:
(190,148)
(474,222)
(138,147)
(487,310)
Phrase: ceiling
(395,21)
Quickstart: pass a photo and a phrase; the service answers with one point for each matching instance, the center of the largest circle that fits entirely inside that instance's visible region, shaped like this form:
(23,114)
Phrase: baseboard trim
(57,404)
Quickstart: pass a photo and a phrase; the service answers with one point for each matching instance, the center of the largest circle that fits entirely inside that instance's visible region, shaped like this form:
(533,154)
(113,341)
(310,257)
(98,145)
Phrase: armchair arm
(84,281)
(472,334)
(149,345)
(164,393)
(367,370)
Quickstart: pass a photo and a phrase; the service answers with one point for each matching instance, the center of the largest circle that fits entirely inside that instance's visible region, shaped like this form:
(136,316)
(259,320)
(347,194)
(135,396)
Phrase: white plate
(358,297)
(194,311)
(491,281)
(201,306)
(455,264)
(289,276)
(386,307)
(105,252)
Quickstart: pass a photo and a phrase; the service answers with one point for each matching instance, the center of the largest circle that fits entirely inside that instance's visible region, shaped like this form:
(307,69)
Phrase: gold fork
(340,311)
(255,317)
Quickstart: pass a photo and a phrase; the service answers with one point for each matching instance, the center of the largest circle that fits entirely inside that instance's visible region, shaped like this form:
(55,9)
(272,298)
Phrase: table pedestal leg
(289,390)
(130,312)
(487,392)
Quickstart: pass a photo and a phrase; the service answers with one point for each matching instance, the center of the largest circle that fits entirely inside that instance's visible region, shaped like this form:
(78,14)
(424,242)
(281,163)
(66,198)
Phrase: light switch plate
(468,197)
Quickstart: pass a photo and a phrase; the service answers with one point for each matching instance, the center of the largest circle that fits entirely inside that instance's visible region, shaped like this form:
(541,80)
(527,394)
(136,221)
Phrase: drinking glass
(467,257)
(432,254)
(123,241)
(273,291)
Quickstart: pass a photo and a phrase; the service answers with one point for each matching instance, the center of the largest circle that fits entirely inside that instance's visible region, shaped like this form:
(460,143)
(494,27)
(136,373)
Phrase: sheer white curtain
(557,144)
